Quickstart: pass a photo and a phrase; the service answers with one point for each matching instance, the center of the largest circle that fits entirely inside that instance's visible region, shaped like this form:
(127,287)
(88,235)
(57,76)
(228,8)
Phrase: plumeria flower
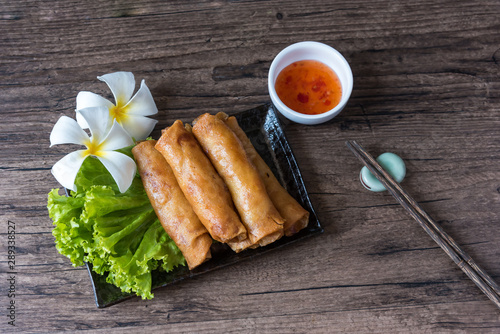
(103,140)
(129,111)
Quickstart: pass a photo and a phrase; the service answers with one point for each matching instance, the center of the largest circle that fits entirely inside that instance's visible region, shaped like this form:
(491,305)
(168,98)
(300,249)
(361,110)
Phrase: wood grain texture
(426,86)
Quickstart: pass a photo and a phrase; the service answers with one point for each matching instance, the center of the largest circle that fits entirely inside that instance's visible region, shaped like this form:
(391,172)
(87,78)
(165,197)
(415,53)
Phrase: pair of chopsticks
(485,283)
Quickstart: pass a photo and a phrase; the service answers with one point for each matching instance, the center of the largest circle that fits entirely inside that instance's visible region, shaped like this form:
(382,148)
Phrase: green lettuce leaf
(72,237)
(118,233)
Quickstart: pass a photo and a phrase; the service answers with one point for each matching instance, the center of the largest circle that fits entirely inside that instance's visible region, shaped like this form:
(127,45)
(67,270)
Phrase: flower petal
(142,103)
(122,85)
(121,167)
(116,138)
(67,131)
(138,127)
(65,170)
(97,119)
(89,99)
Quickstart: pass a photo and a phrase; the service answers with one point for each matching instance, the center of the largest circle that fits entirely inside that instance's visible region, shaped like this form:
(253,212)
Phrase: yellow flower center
(93,149)
(119,112)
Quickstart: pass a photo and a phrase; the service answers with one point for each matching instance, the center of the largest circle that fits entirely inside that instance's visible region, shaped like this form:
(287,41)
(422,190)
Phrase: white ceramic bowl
(310,51)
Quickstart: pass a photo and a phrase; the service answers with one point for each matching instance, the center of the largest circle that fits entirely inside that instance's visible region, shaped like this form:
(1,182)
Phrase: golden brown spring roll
(201,184)
(261,219)
(171,206)
(296,217)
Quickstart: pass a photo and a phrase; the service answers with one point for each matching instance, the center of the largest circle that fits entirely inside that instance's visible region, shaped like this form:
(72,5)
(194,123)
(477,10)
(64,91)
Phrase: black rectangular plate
(265,130)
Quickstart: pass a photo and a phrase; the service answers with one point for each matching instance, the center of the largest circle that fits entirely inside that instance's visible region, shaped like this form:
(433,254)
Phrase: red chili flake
(303,98)
(327,102)
(318,85)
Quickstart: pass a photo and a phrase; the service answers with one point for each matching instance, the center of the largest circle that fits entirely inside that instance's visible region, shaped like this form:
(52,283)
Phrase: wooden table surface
(426,86)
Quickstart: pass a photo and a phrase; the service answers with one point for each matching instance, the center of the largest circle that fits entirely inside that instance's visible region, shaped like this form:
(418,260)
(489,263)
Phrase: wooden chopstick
(485,283)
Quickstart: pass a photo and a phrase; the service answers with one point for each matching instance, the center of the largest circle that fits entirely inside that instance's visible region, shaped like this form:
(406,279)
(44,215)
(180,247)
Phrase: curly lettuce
(118,233)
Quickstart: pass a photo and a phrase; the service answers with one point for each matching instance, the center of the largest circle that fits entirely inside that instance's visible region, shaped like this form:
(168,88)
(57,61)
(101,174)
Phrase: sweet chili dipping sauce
(309,87)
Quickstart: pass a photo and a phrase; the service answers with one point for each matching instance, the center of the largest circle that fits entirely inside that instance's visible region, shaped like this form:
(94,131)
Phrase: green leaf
(118,233)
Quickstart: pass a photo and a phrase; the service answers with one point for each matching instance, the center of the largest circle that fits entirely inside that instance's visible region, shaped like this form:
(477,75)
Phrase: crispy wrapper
(257,212)
(171,206)
(200,183)
(296,217)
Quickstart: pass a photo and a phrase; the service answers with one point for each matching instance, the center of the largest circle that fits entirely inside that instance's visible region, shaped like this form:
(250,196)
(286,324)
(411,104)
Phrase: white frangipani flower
(103,140)
(130,111)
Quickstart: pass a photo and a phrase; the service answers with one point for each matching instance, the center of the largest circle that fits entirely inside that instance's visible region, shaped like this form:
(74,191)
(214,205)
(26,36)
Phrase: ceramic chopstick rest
(391,163)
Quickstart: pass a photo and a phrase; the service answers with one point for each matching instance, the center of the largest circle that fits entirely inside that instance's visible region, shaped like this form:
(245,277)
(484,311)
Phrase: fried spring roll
(171,206)
(261,219)
(296,217)
(200,183)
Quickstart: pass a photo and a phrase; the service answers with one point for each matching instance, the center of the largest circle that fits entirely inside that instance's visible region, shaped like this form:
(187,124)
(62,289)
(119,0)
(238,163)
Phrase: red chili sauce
(309,87)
